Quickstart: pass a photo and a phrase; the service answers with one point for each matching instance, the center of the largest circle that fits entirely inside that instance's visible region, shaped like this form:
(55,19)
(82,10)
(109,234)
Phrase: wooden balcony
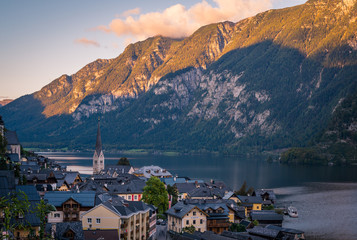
(218,224)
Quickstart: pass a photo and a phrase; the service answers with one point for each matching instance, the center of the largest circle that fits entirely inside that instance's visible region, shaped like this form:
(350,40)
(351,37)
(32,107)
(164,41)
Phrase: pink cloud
(130,12)
(87,42)
(178,21)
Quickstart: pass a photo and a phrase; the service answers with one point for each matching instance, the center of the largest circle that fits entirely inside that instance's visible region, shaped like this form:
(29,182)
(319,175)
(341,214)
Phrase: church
(98,157)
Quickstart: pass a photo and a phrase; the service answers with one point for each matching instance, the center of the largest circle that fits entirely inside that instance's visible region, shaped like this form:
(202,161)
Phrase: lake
(324,196)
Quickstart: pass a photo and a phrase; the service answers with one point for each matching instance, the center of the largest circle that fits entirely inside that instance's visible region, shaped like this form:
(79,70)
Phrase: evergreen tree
(123,161)
(173,192)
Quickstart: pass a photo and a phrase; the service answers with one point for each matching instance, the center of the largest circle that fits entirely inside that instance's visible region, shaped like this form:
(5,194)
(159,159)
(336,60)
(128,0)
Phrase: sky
(41,40)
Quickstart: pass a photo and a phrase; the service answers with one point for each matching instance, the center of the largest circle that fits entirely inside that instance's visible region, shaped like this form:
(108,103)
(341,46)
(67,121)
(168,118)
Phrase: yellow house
(250,203)
(130,219)
(185,215)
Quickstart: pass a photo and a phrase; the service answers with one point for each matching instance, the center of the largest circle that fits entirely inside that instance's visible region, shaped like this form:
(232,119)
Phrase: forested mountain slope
(267,82)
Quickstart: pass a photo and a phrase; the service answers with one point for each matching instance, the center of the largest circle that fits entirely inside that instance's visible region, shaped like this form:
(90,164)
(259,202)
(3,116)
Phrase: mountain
(271,81)
(5,101)
(335,144)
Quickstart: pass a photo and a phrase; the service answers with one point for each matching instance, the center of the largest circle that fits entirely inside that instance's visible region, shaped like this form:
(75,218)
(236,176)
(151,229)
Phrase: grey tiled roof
(241,236)
(249,199)
(266,215)
(261,192)
(100,234)
(111,169)
(187,187)
(263,232)
(7,182)
(206,192)
(63,227)
(85,199)
(11,138)
(70,177)
(30,191)
(14,157)
(123,207)
(180,210)
(285,230)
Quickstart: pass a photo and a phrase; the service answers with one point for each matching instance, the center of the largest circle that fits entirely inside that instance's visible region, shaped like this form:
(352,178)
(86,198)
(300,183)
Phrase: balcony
(218,224)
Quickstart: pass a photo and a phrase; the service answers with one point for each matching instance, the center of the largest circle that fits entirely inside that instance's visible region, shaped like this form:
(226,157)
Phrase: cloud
(178,21)
(87,42)
(130,12)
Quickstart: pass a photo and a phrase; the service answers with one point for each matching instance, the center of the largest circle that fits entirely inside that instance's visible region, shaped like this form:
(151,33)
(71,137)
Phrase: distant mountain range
(268,82)
(5,101)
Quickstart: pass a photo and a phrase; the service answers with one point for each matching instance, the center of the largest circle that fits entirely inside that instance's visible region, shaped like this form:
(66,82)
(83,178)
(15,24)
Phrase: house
(30,218)
(206,192)
(116,170)
(186,187)
(184,215)
(7,182)
(69,205)
(267,195)
(288,232)
(152,221)
(13,144)
(152,171)
(62,186)
(131,191)
(221,213)
(173,180)
(14,157)
(65,230)
(72,178)
(250,203)
(129,218)
(266,217)
(29,167)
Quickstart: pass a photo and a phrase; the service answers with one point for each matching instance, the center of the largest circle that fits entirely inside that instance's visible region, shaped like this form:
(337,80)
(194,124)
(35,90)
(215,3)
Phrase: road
(161,232)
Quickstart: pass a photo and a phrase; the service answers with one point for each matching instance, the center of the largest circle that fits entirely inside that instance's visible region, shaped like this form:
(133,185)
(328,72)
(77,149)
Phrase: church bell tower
(98,157)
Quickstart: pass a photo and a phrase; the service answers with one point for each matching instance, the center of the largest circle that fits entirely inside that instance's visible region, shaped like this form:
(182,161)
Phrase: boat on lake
(292,211)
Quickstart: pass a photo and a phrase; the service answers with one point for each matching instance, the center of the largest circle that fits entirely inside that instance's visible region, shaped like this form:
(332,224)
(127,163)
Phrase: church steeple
(98,157)
(98,144)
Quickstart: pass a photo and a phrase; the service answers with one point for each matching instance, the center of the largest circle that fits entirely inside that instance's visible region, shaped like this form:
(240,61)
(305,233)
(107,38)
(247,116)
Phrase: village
(40,199)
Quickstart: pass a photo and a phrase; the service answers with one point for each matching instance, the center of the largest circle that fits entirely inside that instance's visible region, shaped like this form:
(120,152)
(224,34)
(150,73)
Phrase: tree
(13,205)
(123,161)
(236,227)
(191,229)
(42,210)
(243,190)
(24,179)
(3,164)
(173,192)
(155,193)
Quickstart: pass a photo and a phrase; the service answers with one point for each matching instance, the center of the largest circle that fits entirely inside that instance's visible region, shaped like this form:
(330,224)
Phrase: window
(194,213)
(194,222)
(98,220)
(57,215)
(89,220)
(187,222)
(199,229)
(257,207)
(136,197)
(129,197)
(201,221)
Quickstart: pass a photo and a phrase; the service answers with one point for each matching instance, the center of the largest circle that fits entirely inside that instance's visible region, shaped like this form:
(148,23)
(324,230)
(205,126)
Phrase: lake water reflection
(324,196)
(233,170)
